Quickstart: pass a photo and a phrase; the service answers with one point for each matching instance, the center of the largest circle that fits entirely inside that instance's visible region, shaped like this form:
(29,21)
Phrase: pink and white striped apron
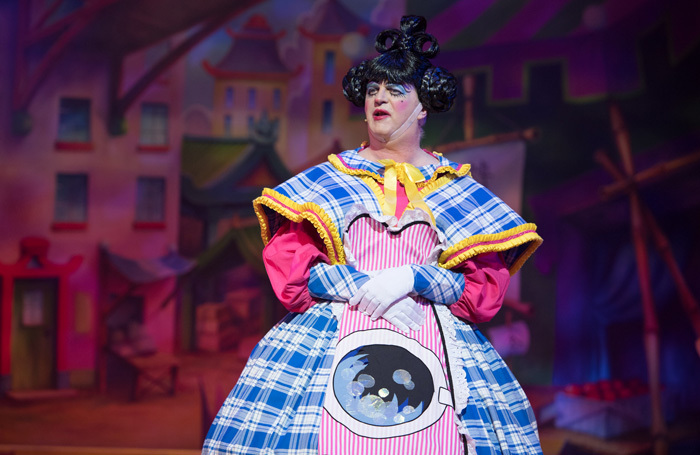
(388,393)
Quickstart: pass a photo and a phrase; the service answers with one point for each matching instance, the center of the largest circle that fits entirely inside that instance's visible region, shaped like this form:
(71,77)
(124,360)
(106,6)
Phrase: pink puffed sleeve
(486,281)
(288,258)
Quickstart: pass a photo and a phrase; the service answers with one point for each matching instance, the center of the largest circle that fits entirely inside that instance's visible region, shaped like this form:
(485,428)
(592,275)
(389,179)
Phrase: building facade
(250,81)
(71,190)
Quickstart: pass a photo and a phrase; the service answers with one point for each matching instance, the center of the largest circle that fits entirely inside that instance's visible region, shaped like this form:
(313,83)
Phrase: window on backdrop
(150,200)
(74,120)
(154,124)
(327,121)
(329,68)
(228,98)
(71,198)
(251,99)
(277,99)
(227,125)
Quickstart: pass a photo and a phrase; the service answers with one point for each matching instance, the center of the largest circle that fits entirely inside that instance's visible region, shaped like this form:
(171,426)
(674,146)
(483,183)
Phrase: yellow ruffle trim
(426,187)
(296,212)
(374,186)
(494,243)
(434,184)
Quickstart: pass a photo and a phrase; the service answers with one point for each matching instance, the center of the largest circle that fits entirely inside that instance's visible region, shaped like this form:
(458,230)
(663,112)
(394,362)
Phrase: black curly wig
(404,62)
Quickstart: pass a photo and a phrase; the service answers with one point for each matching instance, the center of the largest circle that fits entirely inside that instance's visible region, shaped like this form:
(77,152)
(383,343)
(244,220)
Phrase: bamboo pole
(651,326)
(622,139)
(648,175)
(688,301)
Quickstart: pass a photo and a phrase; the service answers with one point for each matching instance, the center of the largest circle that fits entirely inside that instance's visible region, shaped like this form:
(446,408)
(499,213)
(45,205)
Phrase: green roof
(206,159)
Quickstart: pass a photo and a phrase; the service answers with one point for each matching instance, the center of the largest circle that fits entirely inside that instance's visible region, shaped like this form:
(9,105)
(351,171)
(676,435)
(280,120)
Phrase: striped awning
(149,270)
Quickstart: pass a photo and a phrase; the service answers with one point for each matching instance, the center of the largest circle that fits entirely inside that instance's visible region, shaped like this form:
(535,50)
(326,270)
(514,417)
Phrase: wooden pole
(661,170)
(651,326)
(33,79)
(48,12)
(688,301)
(529,134)
(174,55)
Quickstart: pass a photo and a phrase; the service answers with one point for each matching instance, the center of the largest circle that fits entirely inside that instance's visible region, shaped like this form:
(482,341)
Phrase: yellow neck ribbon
(409,176)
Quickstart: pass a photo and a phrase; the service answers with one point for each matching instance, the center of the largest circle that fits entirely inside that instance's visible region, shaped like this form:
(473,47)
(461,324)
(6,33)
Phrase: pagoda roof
(253,53)
(228,172)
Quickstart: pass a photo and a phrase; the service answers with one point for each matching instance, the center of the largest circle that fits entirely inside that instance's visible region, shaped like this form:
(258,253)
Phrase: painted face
(389,107)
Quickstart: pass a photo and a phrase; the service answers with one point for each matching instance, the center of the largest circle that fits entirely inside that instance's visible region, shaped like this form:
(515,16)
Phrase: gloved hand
(405,314)
(375,296)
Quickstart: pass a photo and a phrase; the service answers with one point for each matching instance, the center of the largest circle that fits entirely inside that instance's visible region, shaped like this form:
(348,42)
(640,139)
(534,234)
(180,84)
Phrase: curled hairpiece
(438,90)
(355,84)
(403,60)
(411,38)
(391,34)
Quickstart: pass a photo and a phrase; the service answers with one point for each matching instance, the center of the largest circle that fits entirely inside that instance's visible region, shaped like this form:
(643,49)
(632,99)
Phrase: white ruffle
(462,429)
(457,351)
(394,225)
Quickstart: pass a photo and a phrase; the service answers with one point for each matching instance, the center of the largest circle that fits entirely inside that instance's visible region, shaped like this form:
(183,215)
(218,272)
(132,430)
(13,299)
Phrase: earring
(365,120)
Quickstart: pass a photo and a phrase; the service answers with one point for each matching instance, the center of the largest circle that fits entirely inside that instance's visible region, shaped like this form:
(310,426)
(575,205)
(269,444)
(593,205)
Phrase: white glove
(375,296)
(405,314)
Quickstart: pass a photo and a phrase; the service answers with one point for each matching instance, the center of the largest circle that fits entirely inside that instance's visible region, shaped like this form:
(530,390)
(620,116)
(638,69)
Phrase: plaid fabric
(340,282)
(462,208)
(324,185)
(498,415)
(437,284)
(276,405)
(335,282)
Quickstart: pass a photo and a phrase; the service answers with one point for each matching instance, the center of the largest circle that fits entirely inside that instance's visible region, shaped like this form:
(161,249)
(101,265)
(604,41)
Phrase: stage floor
(159,423)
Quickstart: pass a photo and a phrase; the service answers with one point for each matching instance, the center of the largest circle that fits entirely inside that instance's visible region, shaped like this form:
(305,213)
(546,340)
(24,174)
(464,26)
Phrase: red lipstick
(380,113)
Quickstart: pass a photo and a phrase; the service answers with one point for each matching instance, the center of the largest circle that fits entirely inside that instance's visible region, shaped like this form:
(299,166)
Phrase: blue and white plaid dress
(277,404)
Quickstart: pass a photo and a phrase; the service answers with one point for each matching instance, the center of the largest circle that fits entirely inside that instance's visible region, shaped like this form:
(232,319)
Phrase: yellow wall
(350,132)
(240,111)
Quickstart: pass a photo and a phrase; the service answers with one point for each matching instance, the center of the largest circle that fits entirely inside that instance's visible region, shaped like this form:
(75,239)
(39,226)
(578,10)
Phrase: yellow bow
(409,176)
